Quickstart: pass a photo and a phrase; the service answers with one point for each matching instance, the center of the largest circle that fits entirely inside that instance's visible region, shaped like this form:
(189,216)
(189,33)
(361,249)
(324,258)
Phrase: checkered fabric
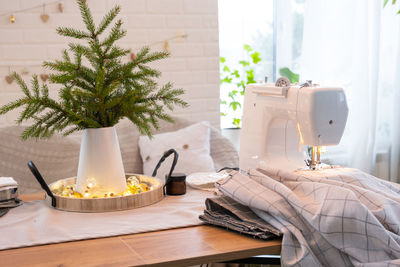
(331,217)
(227,213)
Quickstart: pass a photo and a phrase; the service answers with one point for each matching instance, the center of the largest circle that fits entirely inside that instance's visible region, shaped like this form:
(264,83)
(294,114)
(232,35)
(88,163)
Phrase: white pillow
(192,144)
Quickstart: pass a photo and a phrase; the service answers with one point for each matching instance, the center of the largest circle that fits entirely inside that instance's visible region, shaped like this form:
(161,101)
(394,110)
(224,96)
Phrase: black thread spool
(175,183)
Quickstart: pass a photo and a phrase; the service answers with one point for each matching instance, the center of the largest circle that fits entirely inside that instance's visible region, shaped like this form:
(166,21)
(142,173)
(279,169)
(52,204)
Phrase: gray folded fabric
(226,212)
(3,211)
(5,206)
(11,203)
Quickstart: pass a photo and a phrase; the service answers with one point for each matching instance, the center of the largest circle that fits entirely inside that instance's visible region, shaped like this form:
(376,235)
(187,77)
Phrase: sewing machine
(280,120)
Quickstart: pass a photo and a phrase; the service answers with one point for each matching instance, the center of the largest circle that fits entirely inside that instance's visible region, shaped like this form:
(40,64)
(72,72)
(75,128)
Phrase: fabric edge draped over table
(36,223)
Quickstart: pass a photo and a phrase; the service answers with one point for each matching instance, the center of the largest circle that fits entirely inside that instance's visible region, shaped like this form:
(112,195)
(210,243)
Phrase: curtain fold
(355,45)
(395,138)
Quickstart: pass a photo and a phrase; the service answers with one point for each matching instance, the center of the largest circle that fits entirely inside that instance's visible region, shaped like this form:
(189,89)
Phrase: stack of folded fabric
(330,217)
(227,213)
(8,195)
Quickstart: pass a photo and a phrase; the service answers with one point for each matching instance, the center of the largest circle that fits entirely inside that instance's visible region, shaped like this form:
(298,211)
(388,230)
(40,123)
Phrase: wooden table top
(174,247)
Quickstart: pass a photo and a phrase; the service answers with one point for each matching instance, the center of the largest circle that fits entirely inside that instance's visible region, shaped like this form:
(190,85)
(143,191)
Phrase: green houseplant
(238,79)
(96,96)
(385,2)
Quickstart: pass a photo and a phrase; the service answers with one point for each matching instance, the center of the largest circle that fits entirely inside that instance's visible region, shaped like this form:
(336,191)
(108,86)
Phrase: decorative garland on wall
(45,17)
(165,42)
(44,76)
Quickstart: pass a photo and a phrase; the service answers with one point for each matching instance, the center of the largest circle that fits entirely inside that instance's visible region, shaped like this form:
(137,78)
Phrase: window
(273,29)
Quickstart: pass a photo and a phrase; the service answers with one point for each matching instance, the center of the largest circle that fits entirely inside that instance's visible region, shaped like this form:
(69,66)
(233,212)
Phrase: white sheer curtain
(356,44)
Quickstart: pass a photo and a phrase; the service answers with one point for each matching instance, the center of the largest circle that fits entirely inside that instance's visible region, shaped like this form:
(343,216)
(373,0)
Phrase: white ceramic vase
(100,162)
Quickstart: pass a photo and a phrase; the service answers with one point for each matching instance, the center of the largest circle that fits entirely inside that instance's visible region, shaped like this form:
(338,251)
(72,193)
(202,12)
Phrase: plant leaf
(244,63)
(226,69)
(293,77)
(255,57)
(226,80)
(236,74)
(236,122)
(247,48)
(234,105)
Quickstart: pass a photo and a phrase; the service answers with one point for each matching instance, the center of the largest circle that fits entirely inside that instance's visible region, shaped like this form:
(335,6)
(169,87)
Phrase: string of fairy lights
(44,17)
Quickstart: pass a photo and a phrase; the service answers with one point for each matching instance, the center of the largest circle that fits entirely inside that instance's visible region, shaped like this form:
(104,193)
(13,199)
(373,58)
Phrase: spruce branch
(68,32)
(108,18)
(98,95)
(87,17)
(115,34)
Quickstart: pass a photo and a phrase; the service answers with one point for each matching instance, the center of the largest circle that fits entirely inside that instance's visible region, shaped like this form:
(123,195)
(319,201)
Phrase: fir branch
(117,52)
(115,34)
(150,57)
(72,130)
(107,19)
(21,84)
(66,56)
(87,17)
(98,95)
(69,32)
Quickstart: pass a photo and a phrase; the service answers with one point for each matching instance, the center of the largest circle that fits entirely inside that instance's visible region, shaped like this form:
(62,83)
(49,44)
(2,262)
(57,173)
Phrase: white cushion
(192,144)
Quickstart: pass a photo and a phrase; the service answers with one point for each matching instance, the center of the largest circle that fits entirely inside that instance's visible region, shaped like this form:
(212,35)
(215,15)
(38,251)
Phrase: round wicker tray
(110,203)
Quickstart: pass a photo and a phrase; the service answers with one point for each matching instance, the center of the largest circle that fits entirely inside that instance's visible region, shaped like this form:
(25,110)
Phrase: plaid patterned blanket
(332,217)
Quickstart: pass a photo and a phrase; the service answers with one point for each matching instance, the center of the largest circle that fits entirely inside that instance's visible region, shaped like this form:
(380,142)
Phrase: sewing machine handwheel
(282,82)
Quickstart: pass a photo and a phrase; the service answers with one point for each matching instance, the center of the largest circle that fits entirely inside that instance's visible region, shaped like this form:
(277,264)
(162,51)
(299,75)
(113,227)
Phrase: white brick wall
(193,64)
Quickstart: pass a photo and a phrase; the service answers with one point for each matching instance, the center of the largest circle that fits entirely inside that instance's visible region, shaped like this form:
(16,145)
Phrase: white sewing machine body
(278,121)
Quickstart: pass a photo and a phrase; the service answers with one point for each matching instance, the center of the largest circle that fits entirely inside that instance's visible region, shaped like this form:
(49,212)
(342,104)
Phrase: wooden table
(175,247)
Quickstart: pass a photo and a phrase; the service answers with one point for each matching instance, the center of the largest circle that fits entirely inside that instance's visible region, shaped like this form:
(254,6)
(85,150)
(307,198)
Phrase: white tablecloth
(35,223)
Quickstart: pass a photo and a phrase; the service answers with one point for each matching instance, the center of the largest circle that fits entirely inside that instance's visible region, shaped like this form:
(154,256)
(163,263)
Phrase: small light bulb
(166,46)
(12,19)
(86,195)
(90,183)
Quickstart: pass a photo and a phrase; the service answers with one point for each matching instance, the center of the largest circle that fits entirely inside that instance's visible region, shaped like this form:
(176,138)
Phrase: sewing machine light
(301,140)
